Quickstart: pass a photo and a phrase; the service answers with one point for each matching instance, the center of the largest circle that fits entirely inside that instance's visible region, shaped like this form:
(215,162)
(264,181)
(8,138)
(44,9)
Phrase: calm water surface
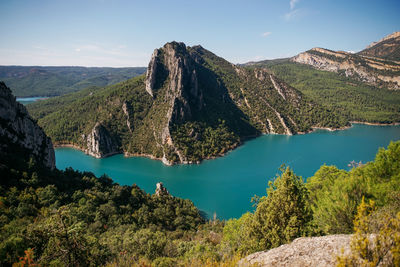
(28,100)
(225,185)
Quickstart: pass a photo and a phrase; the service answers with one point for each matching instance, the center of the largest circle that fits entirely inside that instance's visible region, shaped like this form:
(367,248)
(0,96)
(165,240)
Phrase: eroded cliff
(100,143)
(374,71)
(20,134)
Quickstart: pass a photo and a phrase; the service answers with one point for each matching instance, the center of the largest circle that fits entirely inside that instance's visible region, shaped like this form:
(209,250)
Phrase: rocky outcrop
(388,48)
(18,131)
(305,251)
(100,144)
(277,87)
(161,190)
(151,72)
(126,108)
(369,70)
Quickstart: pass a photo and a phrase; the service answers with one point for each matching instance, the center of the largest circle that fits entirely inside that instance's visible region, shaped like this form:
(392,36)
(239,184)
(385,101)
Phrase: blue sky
(124,33)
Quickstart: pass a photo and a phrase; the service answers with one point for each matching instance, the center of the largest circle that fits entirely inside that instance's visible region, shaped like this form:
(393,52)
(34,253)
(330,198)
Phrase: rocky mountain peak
(20,133)
(173,67)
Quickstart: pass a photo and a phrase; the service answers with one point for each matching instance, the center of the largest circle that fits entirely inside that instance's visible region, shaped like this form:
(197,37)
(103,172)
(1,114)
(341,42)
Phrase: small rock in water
(161,190)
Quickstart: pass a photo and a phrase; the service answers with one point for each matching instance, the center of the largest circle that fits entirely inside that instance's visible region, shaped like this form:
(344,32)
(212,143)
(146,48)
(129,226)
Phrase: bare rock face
(19,130)
(151,72)
(126,107)
(161,190)
(174,63)
(305,251)
(388,47)
(100,143)
(364,69)
(172,66)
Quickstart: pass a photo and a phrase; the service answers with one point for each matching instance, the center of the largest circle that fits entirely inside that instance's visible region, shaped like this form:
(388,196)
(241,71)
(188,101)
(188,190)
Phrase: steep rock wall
(18,129)
(100,143)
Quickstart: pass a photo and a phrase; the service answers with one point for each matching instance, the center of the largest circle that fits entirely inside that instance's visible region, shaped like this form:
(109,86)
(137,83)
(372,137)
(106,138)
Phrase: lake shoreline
(225,185)
(59,145)
(351,125)
(32,98)
(376,123)
(144,155)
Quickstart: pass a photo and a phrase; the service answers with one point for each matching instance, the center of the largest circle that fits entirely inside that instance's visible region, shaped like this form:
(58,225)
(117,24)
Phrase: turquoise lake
(28,100)
(225,185)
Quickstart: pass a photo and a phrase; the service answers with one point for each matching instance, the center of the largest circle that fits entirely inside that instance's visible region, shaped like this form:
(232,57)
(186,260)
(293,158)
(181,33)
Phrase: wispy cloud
(295,14)
(93,48)
(293,3)
(265,34)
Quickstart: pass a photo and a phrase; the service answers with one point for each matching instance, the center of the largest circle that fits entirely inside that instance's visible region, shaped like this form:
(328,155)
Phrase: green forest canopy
(73,218)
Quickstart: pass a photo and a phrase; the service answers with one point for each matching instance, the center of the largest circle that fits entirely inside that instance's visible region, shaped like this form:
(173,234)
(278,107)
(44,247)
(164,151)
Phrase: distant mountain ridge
(190,105)
(386,48)
(362,86)
(26,81)
(375,71)
(377,65)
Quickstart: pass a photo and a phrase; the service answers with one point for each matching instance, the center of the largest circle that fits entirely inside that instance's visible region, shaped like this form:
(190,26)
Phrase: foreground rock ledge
(304,251)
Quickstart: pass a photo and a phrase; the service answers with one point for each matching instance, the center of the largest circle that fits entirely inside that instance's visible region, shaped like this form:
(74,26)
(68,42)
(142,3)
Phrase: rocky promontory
(189,106)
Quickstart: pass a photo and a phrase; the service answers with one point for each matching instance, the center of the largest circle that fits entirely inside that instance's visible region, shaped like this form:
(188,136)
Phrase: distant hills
(361,87)
(190,105)
(26,81)
(376,65)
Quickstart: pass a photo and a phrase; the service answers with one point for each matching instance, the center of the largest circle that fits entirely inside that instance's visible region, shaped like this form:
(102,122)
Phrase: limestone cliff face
(100,143)
(19,131)
(174,66)
(373,71)
(304,251)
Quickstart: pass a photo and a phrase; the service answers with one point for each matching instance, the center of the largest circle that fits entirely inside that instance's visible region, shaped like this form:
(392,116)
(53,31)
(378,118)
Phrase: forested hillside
(355,100)
(71,218)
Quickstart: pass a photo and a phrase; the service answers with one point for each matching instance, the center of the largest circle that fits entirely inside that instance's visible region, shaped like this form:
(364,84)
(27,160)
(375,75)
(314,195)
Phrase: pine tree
(283,214)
